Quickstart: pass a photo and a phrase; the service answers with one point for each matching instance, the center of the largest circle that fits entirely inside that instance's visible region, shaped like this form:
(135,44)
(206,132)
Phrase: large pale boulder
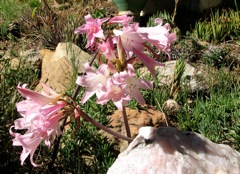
(167,150)
(60,67)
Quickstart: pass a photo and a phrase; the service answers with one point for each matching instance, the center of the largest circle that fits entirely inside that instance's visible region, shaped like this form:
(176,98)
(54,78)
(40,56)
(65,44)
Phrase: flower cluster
(115,78)
(40,116)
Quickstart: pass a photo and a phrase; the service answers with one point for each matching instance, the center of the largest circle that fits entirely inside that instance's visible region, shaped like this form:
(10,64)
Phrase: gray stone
(165,75)
(32,58)
(167,150)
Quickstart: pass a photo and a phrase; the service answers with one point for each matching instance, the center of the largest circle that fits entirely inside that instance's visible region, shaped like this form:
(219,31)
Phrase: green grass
(222,26)
(10,11)
(215,114)
(10,78)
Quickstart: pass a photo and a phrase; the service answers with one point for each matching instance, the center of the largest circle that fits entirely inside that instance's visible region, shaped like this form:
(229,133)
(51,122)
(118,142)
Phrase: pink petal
(49,110)
(123,19)
(87,95)
(39,98)
(148,62)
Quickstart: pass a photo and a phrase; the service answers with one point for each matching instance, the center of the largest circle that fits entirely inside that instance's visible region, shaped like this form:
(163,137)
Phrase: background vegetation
(212,110)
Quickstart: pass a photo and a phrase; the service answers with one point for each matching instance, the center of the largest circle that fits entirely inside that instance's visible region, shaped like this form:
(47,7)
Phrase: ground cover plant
(213,111)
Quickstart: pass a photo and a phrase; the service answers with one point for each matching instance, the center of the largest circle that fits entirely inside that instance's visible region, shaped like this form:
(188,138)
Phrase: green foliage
(35,5)
(202,30)
(215,114)
(86,151)
(99,13)
(9,79)
(221,27)
(177,78)
(218,27)
(9,11)
(165,16)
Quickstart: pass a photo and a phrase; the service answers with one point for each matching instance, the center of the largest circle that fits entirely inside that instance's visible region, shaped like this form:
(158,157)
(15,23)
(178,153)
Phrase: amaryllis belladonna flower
(40,115)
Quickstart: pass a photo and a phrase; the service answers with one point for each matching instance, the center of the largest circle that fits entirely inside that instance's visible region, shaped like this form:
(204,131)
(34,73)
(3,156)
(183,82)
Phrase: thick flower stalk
(40,115)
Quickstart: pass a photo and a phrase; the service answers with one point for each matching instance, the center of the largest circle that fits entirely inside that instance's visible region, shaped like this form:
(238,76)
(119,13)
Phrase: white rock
(171,151)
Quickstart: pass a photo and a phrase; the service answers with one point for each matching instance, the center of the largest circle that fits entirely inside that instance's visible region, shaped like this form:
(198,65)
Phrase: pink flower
(123,19)
(47,96)
(159,36)
(40,116)
(122,87)
(94,80)
(92,28)
(115,93)
(40,130)
(131,38)
(147,61)
(130,84)
(107,49)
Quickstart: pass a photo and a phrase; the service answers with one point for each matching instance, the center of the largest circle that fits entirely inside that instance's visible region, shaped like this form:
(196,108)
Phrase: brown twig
(49,8)
(175,11)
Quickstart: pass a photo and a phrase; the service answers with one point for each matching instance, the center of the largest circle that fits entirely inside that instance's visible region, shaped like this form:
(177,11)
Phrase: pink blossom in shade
(123,19)
(147,61)
(94,80)
(40,114)
(29,142)
(107,49)
(46,103)
(41,129)
(131,84)
(92,28)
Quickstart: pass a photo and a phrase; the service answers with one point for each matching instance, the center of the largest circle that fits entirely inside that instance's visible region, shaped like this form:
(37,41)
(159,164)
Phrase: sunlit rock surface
(58,66)
(167,150)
